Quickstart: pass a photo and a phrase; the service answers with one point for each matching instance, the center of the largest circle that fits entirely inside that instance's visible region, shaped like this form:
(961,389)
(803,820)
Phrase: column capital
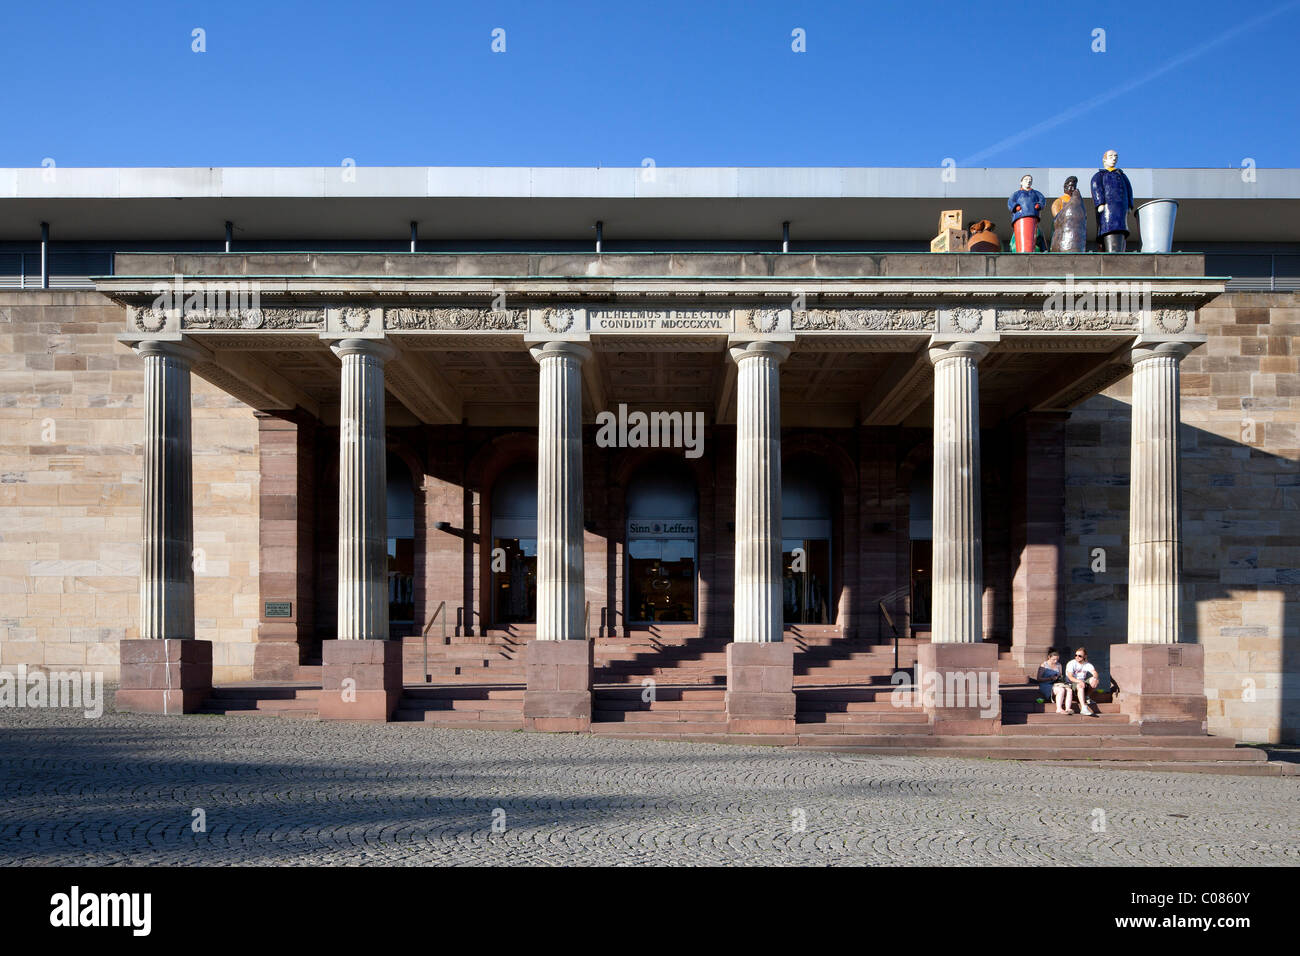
(182,350)
(774,350)
(560,350)
(376,348)
(1144,351)
(972,349)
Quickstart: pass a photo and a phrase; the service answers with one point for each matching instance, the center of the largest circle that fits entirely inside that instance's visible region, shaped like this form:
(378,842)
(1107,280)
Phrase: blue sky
(683,83)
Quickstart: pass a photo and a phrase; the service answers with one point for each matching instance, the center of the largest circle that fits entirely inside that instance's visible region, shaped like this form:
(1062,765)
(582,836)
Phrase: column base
(164,676)
(958,687)
(760,688)
(557,696)
(374,670)
(276,659)
(1161,686)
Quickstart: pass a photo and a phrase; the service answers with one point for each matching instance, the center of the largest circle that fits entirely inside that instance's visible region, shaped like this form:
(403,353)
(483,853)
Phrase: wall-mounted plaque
(277,609)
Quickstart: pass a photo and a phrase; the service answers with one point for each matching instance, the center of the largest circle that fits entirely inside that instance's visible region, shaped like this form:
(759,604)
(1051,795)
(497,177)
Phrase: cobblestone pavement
(123,790)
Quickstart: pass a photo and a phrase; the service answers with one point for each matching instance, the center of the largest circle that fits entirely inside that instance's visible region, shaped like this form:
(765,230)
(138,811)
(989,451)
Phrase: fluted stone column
(1162,682)
(363,484)
(758,617)
(166,670)
(362,676)
(958,577)
(560,583)
(760,667)
(956,656)
(558,660)
(1155,537)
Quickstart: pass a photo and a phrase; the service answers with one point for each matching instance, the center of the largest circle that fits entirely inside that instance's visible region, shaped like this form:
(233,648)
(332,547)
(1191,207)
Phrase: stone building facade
(1241,513)
(266,499)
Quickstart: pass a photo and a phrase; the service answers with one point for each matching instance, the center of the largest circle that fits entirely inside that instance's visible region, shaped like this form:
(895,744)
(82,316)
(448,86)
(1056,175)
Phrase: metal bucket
(1156,220)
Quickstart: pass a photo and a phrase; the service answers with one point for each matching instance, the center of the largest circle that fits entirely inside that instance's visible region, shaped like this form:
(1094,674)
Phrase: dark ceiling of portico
(819,387)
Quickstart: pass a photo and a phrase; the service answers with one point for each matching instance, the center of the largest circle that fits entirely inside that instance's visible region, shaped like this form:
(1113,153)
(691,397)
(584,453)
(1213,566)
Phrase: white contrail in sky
(1123,88)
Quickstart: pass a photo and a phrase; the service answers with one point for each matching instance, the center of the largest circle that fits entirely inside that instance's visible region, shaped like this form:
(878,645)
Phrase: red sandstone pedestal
(950,680)
(558,692)
(760,688)
(164,676)
(360,679)
(1161,686)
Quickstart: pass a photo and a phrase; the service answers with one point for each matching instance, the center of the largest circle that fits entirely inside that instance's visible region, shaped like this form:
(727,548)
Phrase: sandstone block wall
(1241,515)
(70,469)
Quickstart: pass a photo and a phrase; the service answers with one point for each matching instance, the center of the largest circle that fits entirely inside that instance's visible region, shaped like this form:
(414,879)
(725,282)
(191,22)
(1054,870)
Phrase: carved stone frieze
(456,320)
(1029,320)
(272,317)
(864,320)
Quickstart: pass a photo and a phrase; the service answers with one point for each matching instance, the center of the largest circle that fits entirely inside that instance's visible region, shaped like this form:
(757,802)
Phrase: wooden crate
(949,240)
(950,219)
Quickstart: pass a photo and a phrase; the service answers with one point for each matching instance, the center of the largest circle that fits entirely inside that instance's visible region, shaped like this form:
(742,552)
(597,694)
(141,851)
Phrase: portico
(862,369)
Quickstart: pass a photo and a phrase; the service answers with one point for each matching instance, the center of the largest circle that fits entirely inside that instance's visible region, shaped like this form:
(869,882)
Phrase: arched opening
(806,518)
(920,533)
(401,543)
(662,530)
(514,545)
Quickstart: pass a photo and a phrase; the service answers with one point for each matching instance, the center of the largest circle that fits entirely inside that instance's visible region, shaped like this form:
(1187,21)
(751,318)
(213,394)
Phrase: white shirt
(1076,670)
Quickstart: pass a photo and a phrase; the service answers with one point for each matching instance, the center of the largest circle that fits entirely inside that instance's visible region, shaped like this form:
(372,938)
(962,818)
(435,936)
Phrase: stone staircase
(490,658)
(463,707)
(843,692)
(265,698)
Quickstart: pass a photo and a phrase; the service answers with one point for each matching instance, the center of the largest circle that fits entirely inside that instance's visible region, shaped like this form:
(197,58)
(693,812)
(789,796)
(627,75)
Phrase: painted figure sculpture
(1069,220)
(1026,203)
(1112,194)
(983,238)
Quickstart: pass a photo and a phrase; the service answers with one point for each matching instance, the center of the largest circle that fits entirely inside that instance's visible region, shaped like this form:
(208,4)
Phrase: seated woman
(1081,676)
(1050,679)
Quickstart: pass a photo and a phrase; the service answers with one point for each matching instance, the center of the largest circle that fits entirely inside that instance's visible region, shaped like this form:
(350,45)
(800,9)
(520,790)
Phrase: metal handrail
(884,613)
(428,678)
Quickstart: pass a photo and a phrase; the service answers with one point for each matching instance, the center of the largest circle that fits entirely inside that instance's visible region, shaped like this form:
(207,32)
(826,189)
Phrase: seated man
(1081,676)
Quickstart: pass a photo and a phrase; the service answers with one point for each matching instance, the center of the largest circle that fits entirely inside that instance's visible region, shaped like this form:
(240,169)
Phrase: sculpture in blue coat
(1025,205)
(1112,194)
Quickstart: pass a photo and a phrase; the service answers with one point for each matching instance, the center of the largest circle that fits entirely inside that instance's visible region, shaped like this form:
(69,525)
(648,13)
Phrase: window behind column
(514,545)
(401,547)
(662,525)
(920,532)
(806,518)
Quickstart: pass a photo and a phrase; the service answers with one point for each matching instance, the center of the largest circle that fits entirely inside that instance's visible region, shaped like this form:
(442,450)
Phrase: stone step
(663,692)
(233,692)
(446,704)
(849,707)
(636,704)
(456,721)
(1028,749)
(894,716)
(235,706)
(658,716)
(664,676)
(666,728)
(455,652)
(879,693)
(1236,768)
(223,711)
(865,729)
(467,692)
